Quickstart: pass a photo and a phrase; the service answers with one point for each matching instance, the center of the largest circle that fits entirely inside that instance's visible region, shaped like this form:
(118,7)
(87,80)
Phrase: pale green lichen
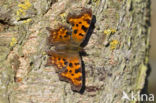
(97,2)
(43,53)
(142,73)
(63,16)
(140,79)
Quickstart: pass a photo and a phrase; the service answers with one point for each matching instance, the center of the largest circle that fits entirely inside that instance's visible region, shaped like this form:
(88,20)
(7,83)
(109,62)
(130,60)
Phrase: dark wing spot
(70,64)
(88,21)
(81,34)
(59,59)
(84,28)
(79,78)
(72,74)
(66,70)
(77,63)
(65,35)
(60,36)
(77,25)
(78,70)
(64,59)
(80,22)
(75,31)
(68,33)
(72,24)
(70,71)
(65,63)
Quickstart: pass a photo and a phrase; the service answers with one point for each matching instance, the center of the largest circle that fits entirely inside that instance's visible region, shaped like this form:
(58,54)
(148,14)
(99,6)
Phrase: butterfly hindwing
(80,25)
(69,68)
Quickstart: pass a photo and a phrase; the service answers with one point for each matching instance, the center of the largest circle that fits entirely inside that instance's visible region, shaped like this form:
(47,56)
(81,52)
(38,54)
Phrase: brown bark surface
(117,51)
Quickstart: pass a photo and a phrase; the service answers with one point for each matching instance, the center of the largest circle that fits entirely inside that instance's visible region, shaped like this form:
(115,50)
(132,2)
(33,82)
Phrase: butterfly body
(66,56)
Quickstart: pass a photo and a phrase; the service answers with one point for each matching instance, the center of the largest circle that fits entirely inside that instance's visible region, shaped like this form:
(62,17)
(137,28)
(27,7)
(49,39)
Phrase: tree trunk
(117,51)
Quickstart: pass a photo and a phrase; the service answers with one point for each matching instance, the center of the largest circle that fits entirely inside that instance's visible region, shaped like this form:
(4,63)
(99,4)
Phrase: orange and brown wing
(59,36)
(68,67)
(80,24)
(57,60)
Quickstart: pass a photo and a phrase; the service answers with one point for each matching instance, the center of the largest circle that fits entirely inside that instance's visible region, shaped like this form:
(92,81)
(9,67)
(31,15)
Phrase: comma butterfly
(66,56)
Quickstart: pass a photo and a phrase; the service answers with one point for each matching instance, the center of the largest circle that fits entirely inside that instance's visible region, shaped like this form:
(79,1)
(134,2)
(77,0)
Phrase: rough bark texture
(117,51)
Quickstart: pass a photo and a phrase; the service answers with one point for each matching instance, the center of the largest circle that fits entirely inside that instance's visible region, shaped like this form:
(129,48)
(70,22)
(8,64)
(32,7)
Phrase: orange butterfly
(68,44)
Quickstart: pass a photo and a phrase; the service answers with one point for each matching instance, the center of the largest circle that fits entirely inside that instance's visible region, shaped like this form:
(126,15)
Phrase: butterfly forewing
(80,25)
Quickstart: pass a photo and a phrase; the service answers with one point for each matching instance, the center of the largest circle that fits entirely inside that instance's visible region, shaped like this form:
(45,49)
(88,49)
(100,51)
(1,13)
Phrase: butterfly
(67,42)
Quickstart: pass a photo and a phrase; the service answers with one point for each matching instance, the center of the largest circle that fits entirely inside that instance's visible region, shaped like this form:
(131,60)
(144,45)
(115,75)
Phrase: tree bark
(117,51)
